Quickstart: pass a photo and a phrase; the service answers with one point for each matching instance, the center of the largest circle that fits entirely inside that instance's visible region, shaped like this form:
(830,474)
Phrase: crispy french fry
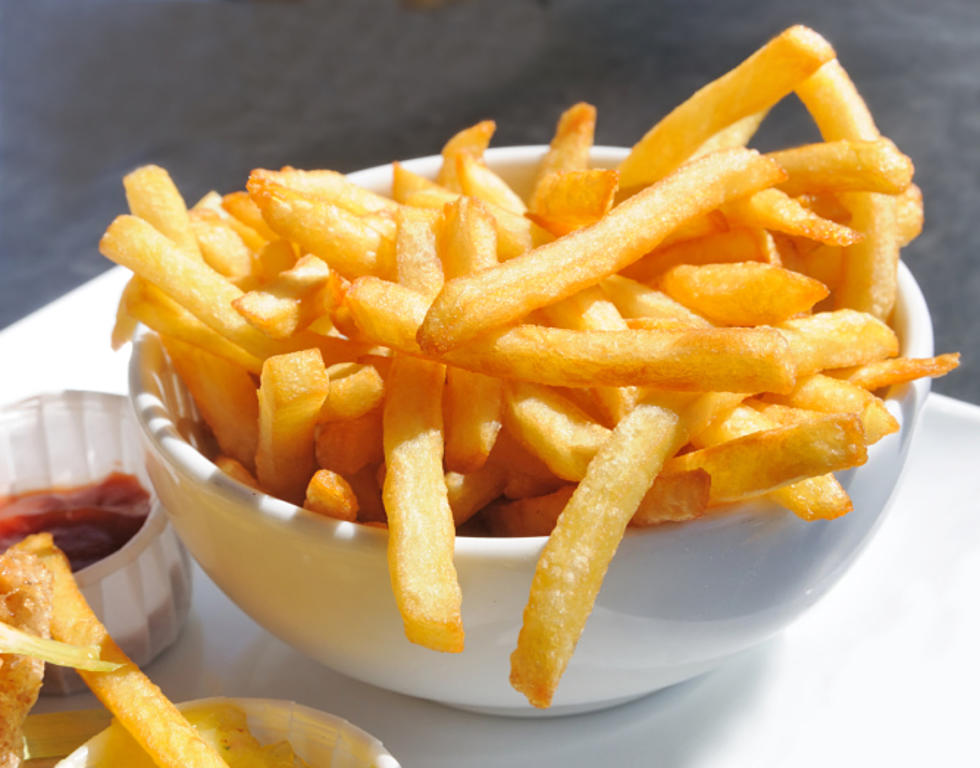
(525,474)
(673,499)
(909,215)
(845,166)
(472,409)
(870,278)
(212,202)
(420,521)
(329,494)
(777,211)
(763,461)
(220,245)
(240,206)
(755,85)
(272,258)
(349,445)
(897,370)
(530,516)
(470,305)
(476,180)
(471,141)
(571,200)
(125,323)
(836,340)
(331,186)
(553,428)
(237,471)
(290,301)
(569,149)
(469,238)
(575,557)
(291,392)
(348,243)
(744,293)
(357,391)
(738,134)
(152,196)
(225,395)
(634,299)
(137,704)
(470,493)
(416,259)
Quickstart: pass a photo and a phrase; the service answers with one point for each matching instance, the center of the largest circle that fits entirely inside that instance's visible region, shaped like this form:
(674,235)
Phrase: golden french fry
(348,243)
(272,258)
(837,340)
(525,474)
(470,493)
(357,391)
(674,499)
(569,149)
(224,393)
(530,516)
(330,494)
(133,243)
(574,560)
(476,180)
(291,392)
(728,359)
(240,206)
(212,202)
(763,461)
(473,304)
(756,84)
(829,395)
(472,410)
(744,293)
(839,166)
(471,141)
(416,258)
(909,215)
(149,305)
(735,245)
(469,238)
(237,471)
(634,299)
(125,323)
(420,521)
(870,277)
(553,428)
(152,196)
(331,186)
(897,370)
(220,245)
(777,211)
(291,300)
(349,445)
(570,200)
(137,704)
(738,134)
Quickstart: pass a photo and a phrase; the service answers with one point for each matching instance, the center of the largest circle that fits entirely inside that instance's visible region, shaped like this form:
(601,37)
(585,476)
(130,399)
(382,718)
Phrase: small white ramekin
(320,739)
(142,591)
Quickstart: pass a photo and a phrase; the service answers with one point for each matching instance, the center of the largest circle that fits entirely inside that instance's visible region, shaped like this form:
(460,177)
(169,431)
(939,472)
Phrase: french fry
(291,300)
(272,258)
(763,461)
(349,445)
(553,428)
(745,293)
(212,202)
(845,166)
(870,278)
(469,238)
(674,499)
(897,370)
(291,392)
(569,149)
(470,305)
(836,340)
(331,186)
(472,409)
(348,243)
(237,471)
(421,533)
(329,494)
(240,206)
(357,391)
(476,180)
(571,200)
(738,134)
(909,215)
(124,325)
(525,474)
(530,516)
(137,704)
(471,141)
(224,393)
(756,84)
(470,493)
(574,560)
(634,299)
(220,245)
(777,211)
(152,196)
(735,245)
(416,259)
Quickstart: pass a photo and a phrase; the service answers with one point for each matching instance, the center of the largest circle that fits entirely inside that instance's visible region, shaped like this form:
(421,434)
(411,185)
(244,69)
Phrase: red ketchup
(88,522)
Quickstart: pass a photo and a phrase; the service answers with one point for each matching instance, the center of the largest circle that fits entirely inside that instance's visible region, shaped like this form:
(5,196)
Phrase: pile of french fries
(702,325)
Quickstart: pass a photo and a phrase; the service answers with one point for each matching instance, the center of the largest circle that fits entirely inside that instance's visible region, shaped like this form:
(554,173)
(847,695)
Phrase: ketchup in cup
(88,522)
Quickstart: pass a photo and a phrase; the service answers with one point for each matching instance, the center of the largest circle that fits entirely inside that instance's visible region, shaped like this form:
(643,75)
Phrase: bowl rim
(156,520)
(912,313)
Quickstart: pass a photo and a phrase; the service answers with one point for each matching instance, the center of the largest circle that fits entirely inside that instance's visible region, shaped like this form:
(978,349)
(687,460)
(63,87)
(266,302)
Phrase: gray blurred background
(90,89)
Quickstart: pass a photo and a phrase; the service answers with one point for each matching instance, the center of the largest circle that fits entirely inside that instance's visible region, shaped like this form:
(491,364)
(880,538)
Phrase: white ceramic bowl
(677,601)
(141,592)
(318,738)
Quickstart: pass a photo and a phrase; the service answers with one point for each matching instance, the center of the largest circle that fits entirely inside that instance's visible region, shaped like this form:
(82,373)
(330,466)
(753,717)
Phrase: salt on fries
(701,325)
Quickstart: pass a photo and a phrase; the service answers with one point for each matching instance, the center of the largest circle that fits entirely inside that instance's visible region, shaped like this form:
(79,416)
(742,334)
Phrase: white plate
(898,691)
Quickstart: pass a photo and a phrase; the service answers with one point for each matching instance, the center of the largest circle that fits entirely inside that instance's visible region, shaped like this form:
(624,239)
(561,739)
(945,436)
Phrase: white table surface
(883,671)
